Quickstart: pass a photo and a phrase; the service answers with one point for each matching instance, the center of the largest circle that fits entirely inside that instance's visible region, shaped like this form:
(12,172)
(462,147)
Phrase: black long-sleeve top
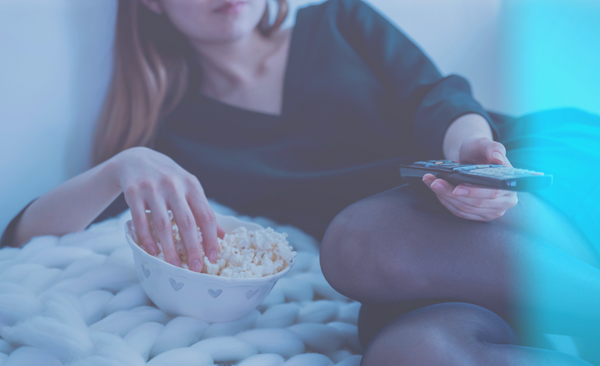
(359,97)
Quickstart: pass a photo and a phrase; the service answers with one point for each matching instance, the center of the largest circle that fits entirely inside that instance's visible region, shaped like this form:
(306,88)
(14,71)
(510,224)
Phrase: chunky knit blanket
(76,300)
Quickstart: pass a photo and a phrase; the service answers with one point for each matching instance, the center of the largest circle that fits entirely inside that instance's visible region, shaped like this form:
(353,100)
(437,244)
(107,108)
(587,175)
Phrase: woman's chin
(232,28)
(231,34)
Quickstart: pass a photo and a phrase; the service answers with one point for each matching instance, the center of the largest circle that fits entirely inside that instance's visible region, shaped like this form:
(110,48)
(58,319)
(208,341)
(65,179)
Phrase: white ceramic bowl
(178,291)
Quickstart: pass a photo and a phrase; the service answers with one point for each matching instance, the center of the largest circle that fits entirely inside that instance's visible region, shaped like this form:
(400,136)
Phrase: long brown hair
(150,77)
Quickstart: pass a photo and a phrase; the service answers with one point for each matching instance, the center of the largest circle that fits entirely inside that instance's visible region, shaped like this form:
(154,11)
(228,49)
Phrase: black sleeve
(426,98)
(115,208)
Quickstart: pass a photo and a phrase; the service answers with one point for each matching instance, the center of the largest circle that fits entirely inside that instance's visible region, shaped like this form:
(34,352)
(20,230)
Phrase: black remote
(487,175)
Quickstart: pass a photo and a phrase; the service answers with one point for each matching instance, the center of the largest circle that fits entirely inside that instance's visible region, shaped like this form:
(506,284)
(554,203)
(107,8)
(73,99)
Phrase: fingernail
(498,155)
(151,250)
(196,266)
(212,256)
(461,191)
(437,187)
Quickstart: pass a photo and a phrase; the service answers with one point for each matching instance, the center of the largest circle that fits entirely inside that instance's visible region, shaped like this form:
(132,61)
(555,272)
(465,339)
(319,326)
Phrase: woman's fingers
(140,221)
(205,217)
(456,212)
(496,153)
(208,226)
(164,230)
(485,198)
(160,184)
(428,179)
(478,197)
(473,191)
(465,190)
(207,222)
(188,231)
(503,202)
(493,204)
(220,232)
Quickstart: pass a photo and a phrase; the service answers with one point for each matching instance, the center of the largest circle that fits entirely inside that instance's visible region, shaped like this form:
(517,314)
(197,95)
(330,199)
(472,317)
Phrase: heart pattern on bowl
(250,294)
(214,293)
(146,271)
(176,285)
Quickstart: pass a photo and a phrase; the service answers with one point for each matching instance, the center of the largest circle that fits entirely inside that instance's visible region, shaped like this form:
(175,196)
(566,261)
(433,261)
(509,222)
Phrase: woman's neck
(230,65)
(248,73)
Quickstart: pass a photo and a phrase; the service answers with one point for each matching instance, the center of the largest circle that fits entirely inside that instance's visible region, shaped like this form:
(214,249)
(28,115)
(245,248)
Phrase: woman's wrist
(464,128)
(111,170)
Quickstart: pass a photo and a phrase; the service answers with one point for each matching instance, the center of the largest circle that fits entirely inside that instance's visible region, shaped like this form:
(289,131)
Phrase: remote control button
(537,173)
(439,162)
(468,167)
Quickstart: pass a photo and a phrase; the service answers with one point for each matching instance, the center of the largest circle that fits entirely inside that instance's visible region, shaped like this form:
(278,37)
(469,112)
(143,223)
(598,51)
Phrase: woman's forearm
(464,127)
(70,207)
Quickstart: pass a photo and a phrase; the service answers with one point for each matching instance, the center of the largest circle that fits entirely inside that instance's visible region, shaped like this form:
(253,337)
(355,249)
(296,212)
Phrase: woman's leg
(455,334)
(402,245)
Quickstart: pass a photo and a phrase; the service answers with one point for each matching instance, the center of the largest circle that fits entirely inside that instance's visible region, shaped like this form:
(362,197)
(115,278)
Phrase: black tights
(440,290)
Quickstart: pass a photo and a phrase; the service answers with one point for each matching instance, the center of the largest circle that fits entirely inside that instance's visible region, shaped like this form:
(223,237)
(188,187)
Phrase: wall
(55,59)
(550,54)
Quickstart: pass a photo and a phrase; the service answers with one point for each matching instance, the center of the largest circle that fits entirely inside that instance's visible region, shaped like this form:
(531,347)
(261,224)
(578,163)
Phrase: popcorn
(242,253)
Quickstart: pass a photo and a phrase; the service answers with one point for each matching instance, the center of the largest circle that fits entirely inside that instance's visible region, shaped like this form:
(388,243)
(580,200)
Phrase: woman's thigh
(402,241)
(533,216)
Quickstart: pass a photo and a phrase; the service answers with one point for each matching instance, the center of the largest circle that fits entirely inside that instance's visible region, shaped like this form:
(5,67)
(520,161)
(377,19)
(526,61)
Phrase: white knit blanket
(76,300)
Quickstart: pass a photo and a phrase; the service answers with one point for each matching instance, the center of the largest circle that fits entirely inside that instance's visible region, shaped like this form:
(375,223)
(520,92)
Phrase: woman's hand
(469,201)
(151,180)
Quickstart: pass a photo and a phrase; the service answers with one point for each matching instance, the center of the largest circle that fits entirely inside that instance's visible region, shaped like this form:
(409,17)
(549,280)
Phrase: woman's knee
(368,244)
(441,334)
(341,248)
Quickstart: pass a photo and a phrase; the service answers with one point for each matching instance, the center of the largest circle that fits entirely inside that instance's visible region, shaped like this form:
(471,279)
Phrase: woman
(300,126)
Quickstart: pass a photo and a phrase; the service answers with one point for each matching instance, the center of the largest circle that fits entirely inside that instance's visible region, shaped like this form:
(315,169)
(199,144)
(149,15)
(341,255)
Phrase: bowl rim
(195,276)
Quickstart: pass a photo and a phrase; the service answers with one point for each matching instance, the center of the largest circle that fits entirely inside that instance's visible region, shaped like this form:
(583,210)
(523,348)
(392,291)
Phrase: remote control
(487,175)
